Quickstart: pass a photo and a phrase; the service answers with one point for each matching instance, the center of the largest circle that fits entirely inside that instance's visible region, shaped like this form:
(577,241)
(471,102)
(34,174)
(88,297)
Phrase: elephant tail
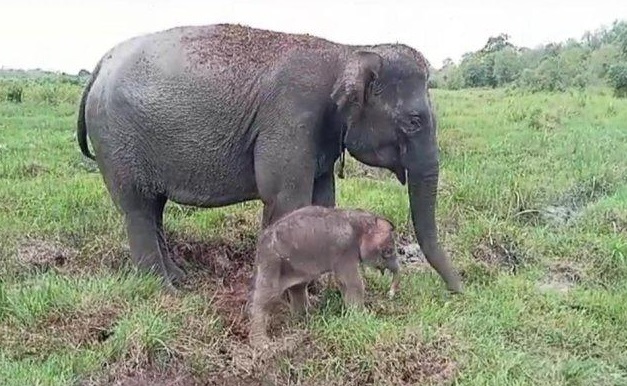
(81,127)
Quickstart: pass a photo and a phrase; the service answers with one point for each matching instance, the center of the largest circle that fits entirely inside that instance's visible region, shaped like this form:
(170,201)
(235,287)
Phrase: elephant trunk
(422,190)
(396,278)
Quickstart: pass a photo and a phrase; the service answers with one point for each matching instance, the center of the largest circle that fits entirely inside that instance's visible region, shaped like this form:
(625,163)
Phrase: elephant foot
(259,341)
(175,273)
(456,290)
(169,288)
(455,286)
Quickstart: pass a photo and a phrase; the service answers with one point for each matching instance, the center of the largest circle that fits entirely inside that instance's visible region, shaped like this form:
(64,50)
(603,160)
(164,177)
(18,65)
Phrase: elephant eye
(413,124)
(376,87)
(415,120)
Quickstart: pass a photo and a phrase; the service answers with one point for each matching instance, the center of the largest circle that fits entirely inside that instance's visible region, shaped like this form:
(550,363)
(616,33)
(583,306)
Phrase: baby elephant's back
(312,232)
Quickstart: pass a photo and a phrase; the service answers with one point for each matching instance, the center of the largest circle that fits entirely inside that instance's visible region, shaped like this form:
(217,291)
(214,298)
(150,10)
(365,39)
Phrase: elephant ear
(350,92)
(378,233)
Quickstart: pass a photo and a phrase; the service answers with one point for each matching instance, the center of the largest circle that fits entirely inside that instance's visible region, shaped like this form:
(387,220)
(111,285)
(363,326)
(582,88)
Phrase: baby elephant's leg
(351,284)
(298,298)
(265,293)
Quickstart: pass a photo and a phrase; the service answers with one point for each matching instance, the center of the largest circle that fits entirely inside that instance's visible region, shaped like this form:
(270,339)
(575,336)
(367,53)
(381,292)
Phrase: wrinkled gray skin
(215,115)
(309,242)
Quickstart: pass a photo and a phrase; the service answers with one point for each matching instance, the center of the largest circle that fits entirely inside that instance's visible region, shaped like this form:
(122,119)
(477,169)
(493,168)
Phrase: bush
(14,93)
(47,90)
(617,78)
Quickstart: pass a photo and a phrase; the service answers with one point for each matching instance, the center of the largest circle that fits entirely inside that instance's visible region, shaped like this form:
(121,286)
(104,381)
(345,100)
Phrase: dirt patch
(223,271)
(500,252)
(73,330)
(240,361)
(616,221)
(83,328)
(408,361)
(569,206)
(413,362)
(411,256)
(33,170)
(43,255)
(232,363)
(562,277)
(120,375)
(585,192)
(408,251)
(73,256)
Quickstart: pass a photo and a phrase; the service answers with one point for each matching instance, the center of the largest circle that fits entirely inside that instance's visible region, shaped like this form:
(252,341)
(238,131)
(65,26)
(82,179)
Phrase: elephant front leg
(265,293)
(258,323)
(351,285)
(283,191)
(324,190)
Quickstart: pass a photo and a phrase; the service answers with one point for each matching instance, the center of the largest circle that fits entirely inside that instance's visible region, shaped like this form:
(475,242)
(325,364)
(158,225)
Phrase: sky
(68,35)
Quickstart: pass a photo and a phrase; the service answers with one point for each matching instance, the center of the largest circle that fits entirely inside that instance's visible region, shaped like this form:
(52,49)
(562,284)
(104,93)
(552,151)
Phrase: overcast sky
(68,35)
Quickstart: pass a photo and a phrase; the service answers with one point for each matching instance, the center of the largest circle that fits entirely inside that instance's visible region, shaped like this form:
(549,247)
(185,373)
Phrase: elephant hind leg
(174,272)
(143,217)
(298,299)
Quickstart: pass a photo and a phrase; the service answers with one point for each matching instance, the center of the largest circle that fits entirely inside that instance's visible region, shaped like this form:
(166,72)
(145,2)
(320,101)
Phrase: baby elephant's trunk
(396,277)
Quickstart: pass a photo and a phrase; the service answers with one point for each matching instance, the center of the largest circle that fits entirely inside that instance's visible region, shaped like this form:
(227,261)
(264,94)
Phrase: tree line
(598,58)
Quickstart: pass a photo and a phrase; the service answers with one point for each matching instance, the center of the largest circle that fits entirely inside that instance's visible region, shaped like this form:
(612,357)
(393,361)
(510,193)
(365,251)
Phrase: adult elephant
(215,115)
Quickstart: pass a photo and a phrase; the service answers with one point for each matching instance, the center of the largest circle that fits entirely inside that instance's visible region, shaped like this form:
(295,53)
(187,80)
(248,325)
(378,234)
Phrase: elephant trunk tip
(395,283)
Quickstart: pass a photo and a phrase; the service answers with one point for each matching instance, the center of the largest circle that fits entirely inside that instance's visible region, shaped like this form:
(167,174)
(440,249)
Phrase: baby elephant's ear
(376,237)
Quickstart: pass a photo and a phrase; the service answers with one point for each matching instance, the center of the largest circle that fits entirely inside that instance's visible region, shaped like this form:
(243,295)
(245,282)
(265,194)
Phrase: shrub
(14,93)
(617,78)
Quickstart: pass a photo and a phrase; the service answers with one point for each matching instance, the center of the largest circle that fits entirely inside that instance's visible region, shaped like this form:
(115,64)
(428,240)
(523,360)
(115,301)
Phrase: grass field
(532,208)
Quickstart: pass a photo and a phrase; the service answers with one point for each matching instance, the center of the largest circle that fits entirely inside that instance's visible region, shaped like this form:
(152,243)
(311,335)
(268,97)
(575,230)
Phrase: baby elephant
(309,242)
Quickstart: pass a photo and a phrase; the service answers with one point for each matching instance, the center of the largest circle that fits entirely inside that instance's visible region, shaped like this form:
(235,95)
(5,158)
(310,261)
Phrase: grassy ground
(533,209)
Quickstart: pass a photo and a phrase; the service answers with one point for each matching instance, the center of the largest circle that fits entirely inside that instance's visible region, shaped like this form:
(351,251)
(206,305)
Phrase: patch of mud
(562,277)
(500,252)
(240,361)
(85,164)
(409,252)
(558,215)
(408,361)
(569,206)
(43,255)
(232,363)
(412,362)
(73,330)
(120,375)
(223,271)
(73,255)
(616,222)
(33,170)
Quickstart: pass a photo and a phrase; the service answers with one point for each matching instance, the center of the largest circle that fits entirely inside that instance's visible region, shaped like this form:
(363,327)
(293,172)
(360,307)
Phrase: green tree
(600,60)
(617,77)
(507,66)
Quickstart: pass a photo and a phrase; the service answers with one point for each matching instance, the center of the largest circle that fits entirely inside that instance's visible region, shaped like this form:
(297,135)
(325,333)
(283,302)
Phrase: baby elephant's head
(377,247)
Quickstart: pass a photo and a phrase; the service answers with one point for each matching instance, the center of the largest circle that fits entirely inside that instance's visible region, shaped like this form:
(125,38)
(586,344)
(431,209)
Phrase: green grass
(532,207)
